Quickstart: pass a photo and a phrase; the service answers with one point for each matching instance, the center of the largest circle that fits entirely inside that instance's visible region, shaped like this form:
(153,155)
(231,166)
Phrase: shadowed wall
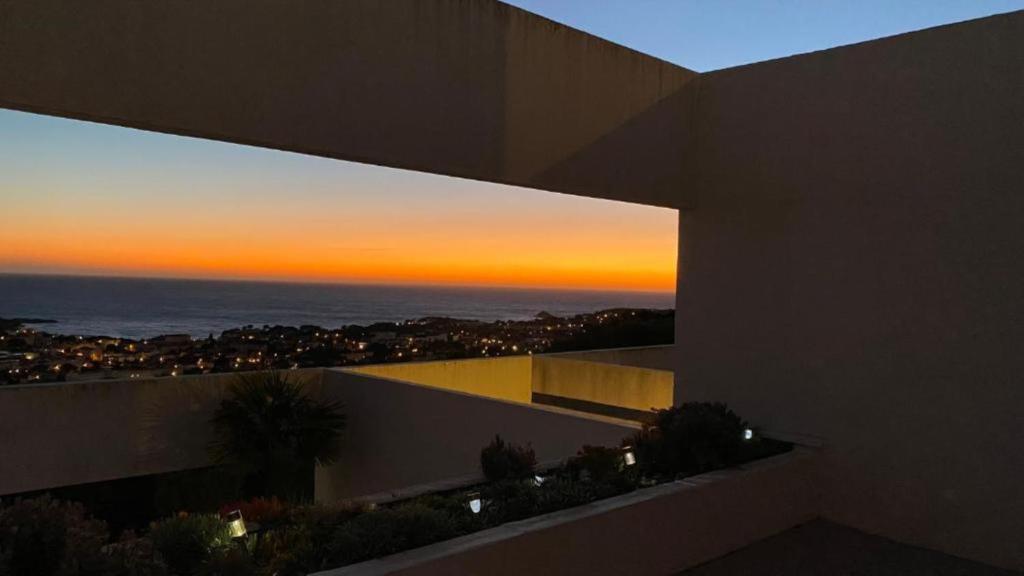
(71,433)
(401,435)
(853,271)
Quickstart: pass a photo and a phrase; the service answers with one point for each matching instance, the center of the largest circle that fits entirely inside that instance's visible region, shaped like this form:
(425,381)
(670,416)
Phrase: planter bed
(691,448)
(658,530)
(449,515)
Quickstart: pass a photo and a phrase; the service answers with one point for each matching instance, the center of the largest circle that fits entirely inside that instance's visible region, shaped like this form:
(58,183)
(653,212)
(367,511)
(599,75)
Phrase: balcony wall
(604,381)
(79,432)
(501,378)
(653,357)
(400,435)
(403,435)
(636,389)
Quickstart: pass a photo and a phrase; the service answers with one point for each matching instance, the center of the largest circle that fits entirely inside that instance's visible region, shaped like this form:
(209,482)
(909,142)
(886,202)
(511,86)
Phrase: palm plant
(270,428)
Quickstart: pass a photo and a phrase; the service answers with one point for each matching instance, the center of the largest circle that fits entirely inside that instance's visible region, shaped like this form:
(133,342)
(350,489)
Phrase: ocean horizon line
(141,307)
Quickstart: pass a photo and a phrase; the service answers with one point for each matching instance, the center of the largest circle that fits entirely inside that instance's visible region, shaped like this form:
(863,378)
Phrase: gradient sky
(705,35)
(87,198)
(83,198)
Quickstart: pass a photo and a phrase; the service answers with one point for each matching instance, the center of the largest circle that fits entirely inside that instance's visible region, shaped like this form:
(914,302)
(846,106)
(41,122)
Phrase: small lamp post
(628,456)
(475,502)
(236,524)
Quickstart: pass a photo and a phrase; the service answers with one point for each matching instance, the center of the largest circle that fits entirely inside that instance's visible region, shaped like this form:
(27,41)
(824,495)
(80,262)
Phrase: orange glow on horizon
(260,263)
(81,198)
(501,252)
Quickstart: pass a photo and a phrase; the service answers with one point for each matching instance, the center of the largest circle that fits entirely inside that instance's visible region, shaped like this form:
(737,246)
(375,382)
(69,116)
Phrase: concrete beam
(469,88)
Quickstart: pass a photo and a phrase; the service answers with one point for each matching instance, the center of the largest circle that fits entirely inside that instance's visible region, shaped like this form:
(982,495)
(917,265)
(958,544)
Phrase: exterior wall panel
(852,271)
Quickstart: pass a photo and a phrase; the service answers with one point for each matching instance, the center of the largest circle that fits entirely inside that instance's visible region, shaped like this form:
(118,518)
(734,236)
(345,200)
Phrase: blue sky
(710,34)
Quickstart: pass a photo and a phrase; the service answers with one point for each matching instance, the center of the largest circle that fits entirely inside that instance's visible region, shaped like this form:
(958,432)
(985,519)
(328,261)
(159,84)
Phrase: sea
(144,307)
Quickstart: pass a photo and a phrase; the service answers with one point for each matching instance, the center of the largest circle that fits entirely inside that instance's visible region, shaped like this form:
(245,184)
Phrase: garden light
(628,456)
(475,503)
(236,524)
(748,434)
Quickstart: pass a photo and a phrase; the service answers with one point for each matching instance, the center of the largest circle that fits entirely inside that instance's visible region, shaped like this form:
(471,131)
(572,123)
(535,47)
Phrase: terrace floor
(823,548)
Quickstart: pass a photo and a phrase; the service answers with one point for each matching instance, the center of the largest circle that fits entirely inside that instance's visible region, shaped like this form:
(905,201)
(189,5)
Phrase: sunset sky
(81,198)
(84,198)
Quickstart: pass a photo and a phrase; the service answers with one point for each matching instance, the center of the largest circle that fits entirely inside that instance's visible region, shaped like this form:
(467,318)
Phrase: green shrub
(303,544)
(186,542)
(32,537)
(132,556)
(561,492)
(229,562)
(319,515)
(508,501)
(690,439)
(502,461)
(43,536)
(456,506)
(388,531)
(597,463)
(292,551)
(276,433)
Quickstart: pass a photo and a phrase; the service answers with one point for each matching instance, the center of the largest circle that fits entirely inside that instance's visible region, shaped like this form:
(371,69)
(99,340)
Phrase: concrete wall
(471,88)
(624,386)
(502,378)
(401,434)
(654,357)
(520,378)
(852,271)
(655,531)
(73,433)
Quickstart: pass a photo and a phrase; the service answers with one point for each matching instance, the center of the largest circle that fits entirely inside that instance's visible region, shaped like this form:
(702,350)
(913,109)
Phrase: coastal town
(31,354)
